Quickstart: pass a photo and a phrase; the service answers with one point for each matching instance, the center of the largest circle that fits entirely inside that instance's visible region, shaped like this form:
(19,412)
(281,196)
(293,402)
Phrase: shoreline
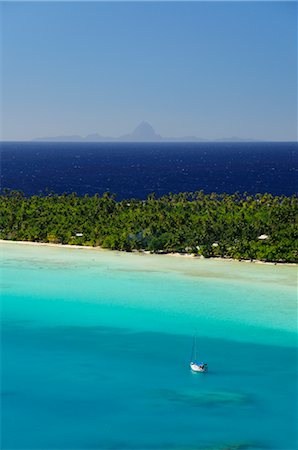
(145,252)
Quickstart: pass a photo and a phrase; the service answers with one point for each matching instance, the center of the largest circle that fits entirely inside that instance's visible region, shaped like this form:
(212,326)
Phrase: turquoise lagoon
(95,349)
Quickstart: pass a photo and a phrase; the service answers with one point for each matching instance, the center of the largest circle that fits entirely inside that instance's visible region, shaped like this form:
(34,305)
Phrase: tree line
(239,226)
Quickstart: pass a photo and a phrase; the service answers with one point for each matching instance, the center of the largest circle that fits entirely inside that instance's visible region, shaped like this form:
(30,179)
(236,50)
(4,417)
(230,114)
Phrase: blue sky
(210,69)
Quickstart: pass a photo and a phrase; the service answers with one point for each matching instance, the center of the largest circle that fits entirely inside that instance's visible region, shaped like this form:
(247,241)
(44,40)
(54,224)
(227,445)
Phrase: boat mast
(194,350)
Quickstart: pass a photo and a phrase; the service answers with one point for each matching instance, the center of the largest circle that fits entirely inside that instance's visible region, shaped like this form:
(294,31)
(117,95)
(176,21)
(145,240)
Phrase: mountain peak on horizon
(144,126)
(145,131)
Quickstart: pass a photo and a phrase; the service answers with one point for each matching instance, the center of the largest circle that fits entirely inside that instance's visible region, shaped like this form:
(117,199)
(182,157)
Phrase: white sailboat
(194,364)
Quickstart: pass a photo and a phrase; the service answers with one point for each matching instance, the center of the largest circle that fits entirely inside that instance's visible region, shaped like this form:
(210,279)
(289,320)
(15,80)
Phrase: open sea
(96,347)
(138,169)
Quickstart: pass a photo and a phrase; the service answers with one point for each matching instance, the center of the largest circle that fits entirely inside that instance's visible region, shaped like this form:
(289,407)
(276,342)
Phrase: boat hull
(198,368)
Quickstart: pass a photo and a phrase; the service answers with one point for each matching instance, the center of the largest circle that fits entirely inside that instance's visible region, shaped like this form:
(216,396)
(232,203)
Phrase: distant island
(260,227)
(144,132)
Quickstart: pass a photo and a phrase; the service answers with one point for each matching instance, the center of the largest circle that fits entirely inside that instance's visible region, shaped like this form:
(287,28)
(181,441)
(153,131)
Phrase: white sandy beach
(144,252)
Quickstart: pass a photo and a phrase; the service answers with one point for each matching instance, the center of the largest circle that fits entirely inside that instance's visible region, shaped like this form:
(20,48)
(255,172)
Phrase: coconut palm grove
(239,226)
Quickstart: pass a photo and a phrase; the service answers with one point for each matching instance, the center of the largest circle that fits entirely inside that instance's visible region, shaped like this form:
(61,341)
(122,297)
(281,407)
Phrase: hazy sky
(210,69)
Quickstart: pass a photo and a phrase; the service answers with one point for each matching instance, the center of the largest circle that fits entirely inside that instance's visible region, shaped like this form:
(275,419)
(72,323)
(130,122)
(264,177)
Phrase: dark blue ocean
(138,169)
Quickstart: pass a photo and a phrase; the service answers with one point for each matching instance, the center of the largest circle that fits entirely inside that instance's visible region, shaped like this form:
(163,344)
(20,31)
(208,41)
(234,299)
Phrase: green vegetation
(209,225)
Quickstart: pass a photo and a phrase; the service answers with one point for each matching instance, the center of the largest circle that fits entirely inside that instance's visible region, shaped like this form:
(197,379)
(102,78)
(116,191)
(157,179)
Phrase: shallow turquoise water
(96,347)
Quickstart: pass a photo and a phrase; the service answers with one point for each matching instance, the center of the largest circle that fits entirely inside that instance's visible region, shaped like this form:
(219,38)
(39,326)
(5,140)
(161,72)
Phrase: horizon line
(164,140)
